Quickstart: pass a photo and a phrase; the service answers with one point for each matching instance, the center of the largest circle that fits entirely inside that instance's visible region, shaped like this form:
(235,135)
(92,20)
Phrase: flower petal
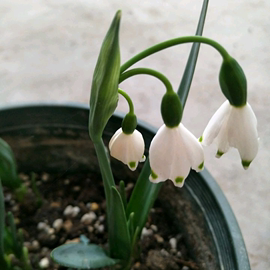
(222,139)
(193,148)
(119,148)
(114,137)
(136,146)
(181,165)
(213,127)
(159,154)
(243,133)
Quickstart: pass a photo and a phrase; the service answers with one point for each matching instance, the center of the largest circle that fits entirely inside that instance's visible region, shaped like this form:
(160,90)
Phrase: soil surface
(74,205)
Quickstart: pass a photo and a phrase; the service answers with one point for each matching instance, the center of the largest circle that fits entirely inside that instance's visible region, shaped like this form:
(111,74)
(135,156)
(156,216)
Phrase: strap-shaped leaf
(104,91)
(192,59)
(8,172)
(82,256)
(119,238)
(145,192)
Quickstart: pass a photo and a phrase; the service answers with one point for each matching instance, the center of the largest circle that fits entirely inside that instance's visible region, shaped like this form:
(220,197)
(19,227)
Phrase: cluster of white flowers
(174,151)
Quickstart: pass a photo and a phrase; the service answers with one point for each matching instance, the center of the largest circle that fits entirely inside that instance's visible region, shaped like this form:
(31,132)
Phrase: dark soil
(162,245)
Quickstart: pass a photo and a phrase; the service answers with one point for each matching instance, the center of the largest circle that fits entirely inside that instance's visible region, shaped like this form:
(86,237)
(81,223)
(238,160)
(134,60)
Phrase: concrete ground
(48,51)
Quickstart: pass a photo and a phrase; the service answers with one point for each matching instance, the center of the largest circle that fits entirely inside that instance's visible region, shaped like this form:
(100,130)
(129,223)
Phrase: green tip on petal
(179,180)
(132,164)
(246,164)
(201,139)
(219,154)
(200,167)
(153,175)
(143,158)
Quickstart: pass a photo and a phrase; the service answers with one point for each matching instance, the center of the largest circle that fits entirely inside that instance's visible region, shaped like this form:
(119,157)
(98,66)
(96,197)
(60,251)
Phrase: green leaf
(143,197)
(82,256)
(119,238)
(8,172)
(122,192)
(104,91)
(192,59)
(2,228)
(145,192)
(130,224)
(17,245)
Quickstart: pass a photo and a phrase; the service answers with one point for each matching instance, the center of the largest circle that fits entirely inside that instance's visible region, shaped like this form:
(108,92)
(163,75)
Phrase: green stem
(105,169)
(2,229)
(147,71)
(128,99)
(172,42)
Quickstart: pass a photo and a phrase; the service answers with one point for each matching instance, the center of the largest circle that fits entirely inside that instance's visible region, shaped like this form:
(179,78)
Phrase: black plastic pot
(54,138)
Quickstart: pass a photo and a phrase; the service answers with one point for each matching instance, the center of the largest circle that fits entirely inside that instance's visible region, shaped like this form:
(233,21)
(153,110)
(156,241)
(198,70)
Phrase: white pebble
(90,229)
(101,218)
(68,210)
(45,177)
(164,253)
(88,218)
(72,211)
(154,228)
(101,228)
(179,254)
(8,197)
(146,232)
(57,224)
(185,268)
(35,245)
(66,182)
(44,263)
(42,226)
(173,243)
(76,211)
(51,231)
(88,205)
(159,238)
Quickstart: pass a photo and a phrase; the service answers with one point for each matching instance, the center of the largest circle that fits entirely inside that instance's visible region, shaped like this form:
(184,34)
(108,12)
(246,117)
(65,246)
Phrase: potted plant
(56,140)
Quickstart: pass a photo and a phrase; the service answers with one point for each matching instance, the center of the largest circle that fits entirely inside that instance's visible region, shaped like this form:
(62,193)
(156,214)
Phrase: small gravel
(57,224)
(44,263)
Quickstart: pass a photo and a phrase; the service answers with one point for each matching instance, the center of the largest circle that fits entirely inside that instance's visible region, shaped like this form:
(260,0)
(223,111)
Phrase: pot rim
(236,238)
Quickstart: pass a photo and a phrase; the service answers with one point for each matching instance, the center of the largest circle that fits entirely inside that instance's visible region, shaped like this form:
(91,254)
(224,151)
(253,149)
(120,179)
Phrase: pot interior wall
(55,139)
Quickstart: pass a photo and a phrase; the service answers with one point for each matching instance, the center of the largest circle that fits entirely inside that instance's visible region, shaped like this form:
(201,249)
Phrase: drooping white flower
(233,127)
(128,148)
(173,151)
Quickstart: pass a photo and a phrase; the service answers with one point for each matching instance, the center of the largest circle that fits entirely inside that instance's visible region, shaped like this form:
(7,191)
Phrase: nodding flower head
(128,148)
(173,152)
(235,127)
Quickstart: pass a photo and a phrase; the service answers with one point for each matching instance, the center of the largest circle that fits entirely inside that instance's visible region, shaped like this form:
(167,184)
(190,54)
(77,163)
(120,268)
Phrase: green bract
(129,123)
(171,109)
(104,91)
(233,82)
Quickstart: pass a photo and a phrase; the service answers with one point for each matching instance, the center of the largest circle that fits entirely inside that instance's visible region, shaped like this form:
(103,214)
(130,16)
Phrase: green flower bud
(129,123)
(171,109)
(233,82)
(104,92)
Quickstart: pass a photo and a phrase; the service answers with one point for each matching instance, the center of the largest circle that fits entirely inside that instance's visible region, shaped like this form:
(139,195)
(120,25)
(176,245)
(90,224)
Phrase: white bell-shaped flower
(173,151)
(128,148)
(233,127)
